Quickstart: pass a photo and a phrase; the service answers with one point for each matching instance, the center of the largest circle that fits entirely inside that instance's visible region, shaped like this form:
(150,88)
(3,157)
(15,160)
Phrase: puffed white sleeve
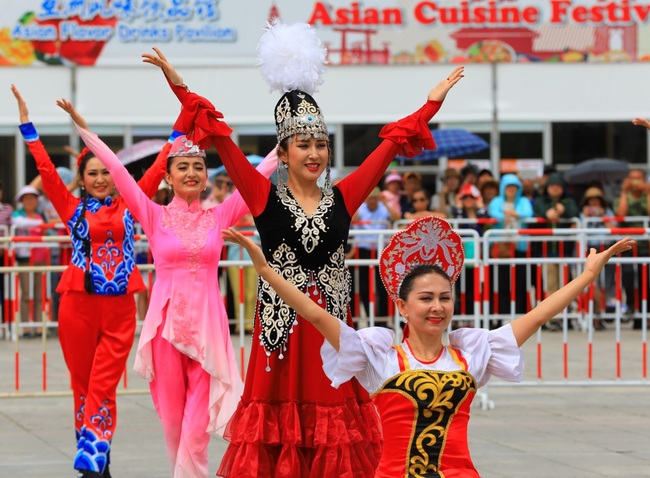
(490,353)
(362,354)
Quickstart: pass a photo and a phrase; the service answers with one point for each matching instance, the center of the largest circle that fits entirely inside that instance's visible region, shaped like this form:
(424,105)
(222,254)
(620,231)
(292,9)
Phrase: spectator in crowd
(164,195)
(443,201)
(528,189)
(555,206)
(420,202)
(467,207)
(484,175)
(469,174)
(412,182)
(594,205)
(392,193)
(634,200)
(374,213)
(540,183)
(6,210)
(49,212)
(489,190)
(28,221)
(222,187)
(509,208)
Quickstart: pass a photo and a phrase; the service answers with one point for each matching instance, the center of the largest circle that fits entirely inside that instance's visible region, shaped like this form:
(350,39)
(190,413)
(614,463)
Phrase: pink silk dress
(186,243)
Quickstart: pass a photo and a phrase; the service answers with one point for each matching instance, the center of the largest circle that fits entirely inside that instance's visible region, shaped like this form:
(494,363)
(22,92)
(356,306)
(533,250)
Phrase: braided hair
(82,161)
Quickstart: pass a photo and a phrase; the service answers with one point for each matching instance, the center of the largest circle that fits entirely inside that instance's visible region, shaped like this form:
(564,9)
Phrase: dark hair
(407,282)
(170,160)
(88,278)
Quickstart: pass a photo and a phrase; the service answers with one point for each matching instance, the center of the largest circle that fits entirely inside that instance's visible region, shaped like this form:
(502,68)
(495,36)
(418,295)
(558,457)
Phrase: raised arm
(201,122)
(150,181)
(140,205)
(526,326)
(62,199)
(407,137)
(327,324)
(235,206)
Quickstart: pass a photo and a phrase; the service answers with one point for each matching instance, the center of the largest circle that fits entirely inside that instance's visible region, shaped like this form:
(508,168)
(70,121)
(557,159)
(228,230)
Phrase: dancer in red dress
(291,423)
(97,308)
(423,390)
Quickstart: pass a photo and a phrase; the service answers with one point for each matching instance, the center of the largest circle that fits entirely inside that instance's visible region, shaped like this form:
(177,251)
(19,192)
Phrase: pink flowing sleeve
(137,201)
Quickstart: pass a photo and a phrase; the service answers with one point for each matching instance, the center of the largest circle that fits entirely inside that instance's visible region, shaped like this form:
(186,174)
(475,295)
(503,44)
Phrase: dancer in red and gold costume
(290,422)
(423,389)
(97,308)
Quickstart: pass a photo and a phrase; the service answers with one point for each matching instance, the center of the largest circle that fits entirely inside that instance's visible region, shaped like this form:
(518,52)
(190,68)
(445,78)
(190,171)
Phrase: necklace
(425,356)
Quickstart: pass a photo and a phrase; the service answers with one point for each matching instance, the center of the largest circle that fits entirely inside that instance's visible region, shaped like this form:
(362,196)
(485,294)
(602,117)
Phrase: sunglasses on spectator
(219,183)
(419,199)
(468,197)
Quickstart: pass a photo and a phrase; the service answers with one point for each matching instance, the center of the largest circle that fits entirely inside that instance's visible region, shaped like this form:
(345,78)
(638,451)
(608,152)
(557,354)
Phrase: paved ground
(532,431)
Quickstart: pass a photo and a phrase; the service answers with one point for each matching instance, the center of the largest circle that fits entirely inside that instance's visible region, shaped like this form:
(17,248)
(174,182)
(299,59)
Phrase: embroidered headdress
(182,146)
(292,60)
(427,241)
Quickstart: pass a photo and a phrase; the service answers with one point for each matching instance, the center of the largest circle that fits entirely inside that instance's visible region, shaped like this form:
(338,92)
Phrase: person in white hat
(27,221)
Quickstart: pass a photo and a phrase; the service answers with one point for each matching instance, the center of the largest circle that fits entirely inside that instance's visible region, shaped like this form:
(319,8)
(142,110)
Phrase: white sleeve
(362,354)
(490,352)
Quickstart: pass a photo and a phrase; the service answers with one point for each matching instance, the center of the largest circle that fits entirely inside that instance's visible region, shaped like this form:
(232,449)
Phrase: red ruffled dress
(424,406)
(290,422)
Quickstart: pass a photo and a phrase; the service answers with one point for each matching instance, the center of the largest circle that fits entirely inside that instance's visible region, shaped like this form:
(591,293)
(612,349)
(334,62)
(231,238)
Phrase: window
(576,142)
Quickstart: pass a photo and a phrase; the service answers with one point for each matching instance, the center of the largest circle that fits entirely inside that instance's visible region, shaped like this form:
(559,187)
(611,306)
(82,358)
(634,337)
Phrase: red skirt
(291,423)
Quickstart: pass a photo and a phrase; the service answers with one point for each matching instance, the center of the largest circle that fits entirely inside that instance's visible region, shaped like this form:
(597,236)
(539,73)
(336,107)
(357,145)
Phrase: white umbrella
(140,150)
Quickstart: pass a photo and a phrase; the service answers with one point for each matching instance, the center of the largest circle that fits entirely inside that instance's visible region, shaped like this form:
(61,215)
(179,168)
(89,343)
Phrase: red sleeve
(57,191)
(406,137)
(150,181)
(252,185)
(202,122)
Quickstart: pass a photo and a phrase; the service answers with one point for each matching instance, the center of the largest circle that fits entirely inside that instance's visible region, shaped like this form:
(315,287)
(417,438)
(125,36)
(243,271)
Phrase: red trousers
(96,334)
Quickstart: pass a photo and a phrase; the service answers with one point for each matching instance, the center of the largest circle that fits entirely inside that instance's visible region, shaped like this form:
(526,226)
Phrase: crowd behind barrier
(492,289)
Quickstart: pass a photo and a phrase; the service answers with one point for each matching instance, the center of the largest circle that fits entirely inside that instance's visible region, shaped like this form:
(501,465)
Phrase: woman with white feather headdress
(291,422)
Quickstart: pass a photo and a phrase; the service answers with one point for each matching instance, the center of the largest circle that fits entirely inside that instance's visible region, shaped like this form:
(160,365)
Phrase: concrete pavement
(532,431)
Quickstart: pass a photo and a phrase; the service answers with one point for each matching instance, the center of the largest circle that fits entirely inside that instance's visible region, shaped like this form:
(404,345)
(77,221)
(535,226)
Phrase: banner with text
(225,32)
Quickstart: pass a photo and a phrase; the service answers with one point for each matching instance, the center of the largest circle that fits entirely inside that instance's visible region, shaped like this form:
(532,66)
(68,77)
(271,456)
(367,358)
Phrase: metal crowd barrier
(481,276)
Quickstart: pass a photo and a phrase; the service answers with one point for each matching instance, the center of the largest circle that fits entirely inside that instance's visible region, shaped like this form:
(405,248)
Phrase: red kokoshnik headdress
(426,241)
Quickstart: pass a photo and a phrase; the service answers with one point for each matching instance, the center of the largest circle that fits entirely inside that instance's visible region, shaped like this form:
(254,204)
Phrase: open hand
(160,61)
(439,92)
(66,106)
(257,256)
(22,106)
(596,261)
(641,122)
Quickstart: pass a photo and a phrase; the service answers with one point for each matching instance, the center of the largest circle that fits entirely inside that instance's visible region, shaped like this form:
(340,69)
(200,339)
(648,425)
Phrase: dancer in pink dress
(185,350)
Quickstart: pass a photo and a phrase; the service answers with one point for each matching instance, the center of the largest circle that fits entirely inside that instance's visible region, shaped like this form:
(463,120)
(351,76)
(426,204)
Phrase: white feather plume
(291,57)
